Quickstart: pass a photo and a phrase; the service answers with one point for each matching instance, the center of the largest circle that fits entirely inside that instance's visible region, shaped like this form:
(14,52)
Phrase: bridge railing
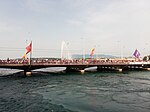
(71,62)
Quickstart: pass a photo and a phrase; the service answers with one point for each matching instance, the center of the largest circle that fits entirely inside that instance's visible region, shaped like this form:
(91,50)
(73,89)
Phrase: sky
(112,27)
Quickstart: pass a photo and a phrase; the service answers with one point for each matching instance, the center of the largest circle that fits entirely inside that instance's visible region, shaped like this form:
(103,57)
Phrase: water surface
(69,92)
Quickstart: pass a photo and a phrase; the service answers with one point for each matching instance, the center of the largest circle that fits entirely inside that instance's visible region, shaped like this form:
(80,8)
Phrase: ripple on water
(145,95)
(130,98)
(85,98)
(88,93)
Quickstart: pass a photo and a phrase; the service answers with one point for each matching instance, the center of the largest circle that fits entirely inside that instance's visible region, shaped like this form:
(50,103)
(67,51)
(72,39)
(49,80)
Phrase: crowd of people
(69,61)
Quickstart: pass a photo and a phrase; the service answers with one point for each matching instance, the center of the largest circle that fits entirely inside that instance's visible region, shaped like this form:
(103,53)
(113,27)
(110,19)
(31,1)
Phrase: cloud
(41,6)
(116,18)
(99,22)
(8,28)
(77,3)
(126,21)
(75,22)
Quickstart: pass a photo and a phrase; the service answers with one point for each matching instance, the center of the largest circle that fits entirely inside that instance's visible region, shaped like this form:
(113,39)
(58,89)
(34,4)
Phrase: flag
(24,56)
(136,53)
(92,52)
(28,48)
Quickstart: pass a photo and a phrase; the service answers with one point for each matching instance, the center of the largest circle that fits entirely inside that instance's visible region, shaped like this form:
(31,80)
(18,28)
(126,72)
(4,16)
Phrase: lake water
(74,92)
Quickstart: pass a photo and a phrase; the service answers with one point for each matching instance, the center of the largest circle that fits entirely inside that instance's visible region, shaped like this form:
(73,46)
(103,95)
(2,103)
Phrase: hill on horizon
(94,56)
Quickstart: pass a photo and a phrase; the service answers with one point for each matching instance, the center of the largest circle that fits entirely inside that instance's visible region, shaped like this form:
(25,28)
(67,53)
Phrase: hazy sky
(111,26)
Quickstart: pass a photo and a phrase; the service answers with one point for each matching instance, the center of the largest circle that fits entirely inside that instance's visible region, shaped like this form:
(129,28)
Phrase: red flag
(92,52)
(29,48)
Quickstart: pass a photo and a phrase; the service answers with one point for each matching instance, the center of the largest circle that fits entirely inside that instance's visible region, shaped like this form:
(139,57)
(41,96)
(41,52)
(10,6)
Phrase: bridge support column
(82,71)
(146,69)
(120,70)
(27,73)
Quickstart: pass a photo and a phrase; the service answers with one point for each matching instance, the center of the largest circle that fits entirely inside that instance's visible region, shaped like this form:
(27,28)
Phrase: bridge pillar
(27,73)
(146,69)
(120,70)
(82,71)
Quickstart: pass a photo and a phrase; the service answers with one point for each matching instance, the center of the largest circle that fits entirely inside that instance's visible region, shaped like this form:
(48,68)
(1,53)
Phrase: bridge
(75,64)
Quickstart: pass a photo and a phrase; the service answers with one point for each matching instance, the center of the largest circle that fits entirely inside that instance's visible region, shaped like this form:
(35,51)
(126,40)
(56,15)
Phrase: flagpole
(30,54)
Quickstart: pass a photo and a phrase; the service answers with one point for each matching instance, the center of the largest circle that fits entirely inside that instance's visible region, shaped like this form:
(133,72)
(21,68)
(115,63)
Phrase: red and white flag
(92,52)
(28,48)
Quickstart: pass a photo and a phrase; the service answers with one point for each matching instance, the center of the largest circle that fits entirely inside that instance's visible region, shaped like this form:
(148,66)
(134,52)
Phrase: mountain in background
(94,56)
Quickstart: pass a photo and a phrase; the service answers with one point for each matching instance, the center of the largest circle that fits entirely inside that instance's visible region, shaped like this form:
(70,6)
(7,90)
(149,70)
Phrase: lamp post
(83,50)
(121,49)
